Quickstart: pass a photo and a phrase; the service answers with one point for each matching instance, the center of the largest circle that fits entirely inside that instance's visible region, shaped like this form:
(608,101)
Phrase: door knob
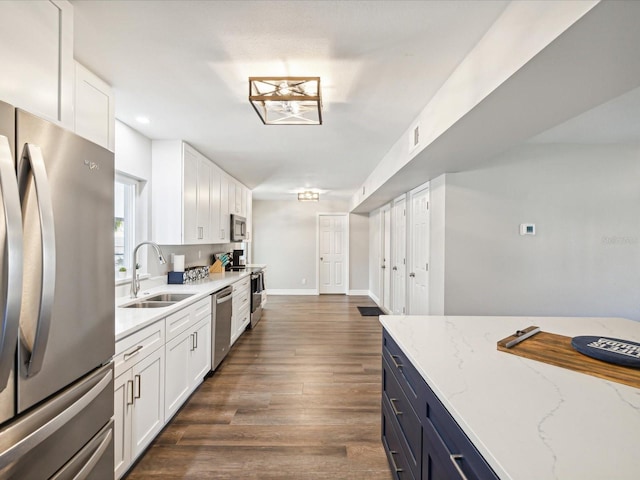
(395,269)
(383,266)
(321,258)
(412,274)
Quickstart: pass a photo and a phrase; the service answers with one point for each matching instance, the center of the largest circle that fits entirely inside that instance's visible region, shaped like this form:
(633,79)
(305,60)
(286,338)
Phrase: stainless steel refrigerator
(56,302)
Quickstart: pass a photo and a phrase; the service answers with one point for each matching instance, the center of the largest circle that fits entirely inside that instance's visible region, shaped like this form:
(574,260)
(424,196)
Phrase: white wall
(359,253)
(284,234)
(374,256)
(437,239)
(585,257)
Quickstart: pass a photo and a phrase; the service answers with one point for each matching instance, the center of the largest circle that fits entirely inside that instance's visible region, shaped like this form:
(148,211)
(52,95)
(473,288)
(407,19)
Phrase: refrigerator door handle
(32,161)
(10,324)
(36,437)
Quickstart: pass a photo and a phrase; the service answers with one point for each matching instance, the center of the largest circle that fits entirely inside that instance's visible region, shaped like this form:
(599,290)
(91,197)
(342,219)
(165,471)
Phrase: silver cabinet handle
(195,337)
(129,392)
(396,412)
(192,337)
(10,323)
(394,359)
(412,274)
(138,380)
(36,437)
(33,161)
(454,459)
(393,459)
(133,352)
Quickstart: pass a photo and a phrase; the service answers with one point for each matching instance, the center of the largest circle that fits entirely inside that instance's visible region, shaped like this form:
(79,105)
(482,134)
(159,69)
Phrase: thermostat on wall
(527,229)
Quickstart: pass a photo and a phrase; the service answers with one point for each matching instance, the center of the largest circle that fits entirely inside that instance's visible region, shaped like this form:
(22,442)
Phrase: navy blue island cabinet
(420,437)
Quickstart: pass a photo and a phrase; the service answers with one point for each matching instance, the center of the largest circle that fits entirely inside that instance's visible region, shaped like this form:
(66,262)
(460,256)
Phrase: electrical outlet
(199,254)
(304,281)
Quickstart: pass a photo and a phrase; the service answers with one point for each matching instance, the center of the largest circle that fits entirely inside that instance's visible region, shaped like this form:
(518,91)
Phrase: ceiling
(185,64)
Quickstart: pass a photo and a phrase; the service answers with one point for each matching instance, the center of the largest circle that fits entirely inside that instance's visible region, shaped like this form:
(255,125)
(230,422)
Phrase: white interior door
(332,244)
(398,256)
(419,253)
(385,258)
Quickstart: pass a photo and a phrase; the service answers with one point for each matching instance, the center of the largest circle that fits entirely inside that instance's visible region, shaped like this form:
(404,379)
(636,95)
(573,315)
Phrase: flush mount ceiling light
(308,196)
(286,100)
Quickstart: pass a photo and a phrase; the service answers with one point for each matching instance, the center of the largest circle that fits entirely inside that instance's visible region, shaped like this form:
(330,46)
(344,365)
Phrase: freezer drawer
(41,442)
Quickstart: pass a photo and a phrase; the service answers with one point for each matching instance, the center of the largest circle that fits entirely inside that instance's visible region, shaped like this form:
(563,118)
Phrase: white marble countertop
(130,320)
(529,420)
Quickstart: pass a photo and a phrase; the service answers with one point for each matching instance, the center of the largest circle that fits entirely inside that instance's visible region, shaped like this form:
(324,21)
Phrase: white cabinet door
(225,218)
(177,385)
(36,51)
(94,112)
(203,208)
(190,196)
(123,402)
(214,211)
(200,354)
(148,401)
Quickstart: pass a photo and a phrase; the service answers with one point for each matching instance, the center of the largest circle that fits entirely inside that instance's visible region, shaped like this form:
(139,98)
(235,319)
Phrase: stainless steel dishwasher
(221,313)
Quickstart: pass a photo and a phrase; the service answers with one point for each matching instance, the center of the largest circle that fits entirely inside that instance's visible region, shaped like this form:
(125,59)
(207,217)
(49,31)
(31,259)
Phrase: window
(124,222)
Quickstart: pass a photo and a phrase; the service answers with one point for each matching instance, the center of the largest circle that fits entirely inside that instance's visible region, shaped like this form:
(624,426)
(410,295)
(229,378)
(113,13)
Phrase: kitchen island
(527,419)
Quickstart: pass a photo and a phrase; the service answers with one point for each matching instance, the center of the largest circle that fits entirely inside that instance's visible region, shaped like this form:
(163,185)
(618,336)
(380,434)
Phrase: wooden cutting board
(557,350)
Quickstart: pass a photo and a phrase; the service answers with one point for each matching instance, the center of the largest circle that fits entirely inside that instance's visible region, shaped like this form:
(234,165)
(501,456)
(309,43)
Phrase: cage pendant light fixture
(286,100)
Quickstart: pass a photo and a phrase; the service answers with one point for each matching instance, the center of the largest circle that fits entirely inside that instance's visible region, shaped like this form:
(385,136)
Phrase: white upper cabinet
(181,194)
(36,53)
(94,108)
(249,200)
(225,218)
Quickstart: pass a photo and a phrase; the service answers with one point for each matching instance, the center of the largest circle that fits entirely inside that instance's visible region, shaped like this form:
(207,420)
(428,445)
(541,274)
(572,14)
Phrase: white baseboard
(374,298)
(359,292)
(296,291)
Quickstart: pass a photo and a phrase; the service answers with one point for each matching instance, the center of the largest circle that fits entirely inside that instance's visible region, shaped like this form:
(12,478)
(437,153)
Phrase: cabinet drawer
(408,377)
(409,428)
(187,317)
(130,350)
(241,284)
(442,431)
(397,458)
(202,309)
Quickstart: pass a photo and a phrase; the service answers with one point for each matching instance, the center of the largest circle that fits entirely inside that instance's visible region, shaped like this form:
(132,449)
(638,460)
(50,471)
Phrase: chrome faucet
(135,281)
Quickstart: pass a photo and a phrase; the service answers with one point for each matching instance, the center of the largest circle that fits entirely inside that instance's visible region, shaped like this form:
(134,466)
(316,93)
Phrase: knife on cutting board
(519,336)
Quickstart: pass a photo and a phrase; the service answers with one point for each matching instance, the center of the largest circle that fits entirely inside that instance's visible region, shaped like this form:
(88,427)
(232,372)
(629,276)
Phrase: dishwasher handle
(224,295)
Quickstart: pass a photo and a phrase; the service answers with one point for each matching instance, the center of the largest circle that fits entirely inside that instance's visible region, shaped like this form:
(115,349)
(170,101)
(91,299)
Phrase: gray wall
(585,257)
(284,237)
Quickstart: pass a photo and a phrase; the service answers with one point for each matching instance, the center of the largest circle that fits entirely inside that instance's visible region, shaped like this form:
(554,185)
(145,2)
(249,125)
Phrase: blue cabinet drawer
(409,428)
(408,377)
(392,445)
(442,429)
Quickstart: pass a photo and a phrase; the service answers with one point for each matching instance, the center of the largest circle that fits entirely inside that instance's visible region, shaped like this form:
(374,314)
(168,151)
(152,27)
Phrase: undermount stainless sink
(145,304)
(159,301)
(168,297)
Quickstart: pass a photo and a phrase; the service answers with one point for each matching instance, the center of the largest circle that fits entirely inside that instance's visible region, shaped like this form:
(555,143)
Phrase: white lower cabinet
(188,356)
(156,369)
(241,307)
(139,404)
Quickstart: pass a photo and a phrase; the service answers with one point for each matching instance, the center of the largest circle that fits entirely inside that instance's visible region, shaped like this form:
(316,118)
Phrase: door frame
(345,245)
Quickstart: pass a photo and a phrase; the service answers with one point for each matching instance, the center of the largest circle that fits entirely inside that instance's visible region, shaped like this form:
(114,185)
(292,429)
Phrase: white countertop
(130,320)
(529,420)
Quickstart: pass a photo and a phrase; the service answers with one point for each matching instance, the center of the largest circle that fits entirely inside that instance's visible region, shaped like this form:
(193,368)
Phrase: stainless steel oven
(257,286)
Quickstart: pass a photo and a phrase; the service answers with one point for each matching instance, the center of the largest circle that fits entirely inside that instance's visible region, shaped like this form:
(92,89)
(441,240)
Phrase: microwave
(238,228)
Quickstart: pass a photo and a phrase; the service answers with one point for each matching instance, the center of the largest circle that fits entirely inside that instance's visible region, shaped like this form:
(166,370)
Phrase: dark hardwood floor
(298,398)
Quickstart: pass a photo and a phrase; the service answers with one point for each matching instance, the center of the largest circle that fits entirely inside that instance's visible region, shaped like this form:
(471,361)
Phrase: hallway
(297,398)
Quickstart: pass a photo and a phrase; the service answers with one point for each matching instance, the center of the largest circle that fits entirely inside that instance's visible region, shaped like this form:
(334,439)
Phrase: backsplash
(194,256)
